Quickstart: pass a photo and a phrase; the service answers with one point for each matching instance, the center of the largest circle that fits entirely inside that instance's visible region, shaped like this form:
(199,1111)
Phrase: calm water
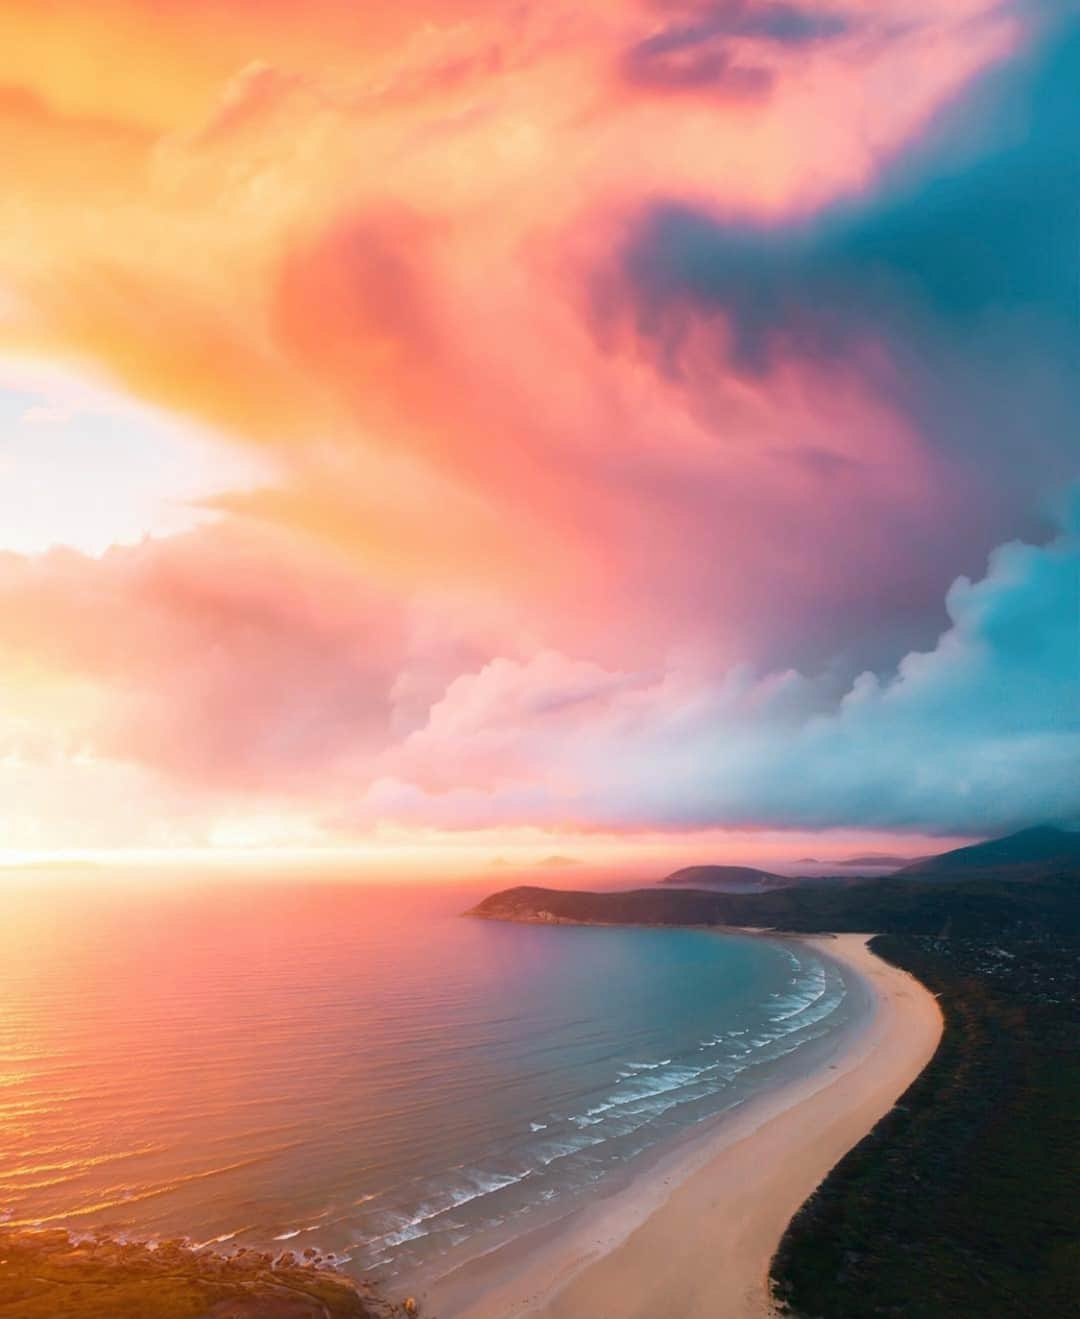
(355,1068)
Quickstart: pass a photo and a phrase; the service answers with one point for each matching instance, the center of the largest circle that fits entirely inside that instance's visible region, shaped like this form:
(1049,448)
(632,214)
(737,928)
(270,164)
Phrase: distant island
(876,859)
(731,879)
(973,1179)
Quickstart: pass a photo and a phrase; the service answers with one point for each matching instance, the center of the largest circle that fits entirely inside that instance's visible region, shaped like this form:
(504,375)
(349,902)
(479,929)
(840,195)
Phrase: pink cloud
(975,734)
(214,656)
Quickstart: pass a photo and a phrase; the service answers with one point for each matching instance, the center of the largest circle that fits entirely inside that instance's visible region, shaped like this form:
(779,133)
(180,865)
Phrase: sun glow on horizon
(545,857)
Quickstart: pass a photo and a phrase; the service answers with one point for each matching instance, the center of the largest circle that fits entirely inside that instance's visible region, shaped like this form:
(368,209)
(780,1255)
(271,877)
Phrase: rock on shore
(47,1275)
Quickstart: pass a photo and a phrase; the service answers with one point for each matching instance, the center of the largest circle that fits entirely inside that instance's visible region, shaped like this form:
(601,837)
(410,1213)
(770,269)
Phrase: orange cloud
(242,150)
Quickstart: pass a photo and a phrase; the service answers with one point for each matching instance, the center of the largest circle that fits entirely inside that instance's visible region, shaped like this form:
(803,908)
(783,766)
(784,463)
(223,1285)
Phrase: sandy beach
(692,1236)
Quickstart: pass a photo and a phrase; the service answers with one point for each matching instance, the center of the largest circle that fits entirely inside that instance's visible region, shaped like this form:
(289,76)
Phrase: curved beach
(692,1236)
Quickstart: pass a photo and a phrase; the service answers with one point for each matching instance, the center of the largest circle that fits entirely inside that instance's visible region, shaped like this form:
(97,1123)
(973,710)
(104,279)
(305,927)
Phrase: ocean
(355,1069)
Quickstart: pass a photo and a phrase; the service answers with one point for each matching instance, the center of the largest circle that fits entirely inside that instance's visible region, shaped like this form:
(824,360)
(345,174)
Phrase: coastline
(692,1235)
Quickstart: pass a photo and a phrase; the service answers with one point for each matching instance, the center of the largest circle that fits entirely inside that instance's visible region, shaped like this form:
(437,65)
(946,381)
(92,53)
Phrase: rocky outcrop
(48,1275)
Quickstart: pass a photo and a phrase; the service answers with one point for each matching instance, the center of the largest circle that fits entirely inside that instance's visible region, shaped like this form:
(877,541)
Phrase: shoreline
(692,1235)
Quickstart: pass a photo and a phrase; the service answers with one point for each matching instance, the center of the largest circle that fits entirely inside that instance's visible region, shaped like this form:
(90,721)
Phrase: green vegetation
(965,1199)
(44,1275)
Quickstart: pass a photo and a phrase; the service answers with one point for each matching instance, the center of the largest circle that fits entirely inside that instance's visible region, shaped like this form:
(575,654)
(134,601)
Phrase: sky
(523,428)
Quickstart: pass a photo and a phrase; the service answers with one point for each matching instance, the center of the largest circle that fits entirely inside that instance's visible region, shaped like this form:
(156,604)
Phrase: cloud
(215,657)
(717,47)
(946,294)
(961,265)
(578,405)
(976,735)
(215,669)
(504,720)
(980,733)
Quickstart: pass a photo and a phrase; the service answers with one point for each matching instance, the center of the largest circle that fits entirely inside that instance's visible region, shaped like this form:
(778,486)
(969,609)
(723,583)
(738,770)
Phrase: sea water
(355,1068)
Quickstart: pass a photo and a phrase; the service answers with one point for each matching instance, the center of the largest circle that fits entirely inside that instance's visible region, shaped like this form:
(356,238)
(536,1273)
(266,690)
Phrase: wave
(806,993)
(472,1185)
(216,1241)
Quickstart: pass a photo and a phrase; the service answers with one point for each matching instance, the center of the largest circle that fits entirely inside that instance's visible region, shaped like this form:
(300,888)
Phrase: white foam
(473,1185)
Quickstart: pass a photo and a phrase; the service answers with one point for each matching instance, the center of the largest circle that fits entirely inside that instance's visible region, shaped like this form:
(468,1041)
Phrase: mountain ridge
(1025,854)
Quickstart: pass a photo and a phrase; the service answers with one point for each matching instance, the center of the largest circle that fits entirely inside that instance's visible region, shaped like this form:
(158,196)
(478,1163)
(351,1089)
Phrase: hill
(730,879)
(1034,853)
